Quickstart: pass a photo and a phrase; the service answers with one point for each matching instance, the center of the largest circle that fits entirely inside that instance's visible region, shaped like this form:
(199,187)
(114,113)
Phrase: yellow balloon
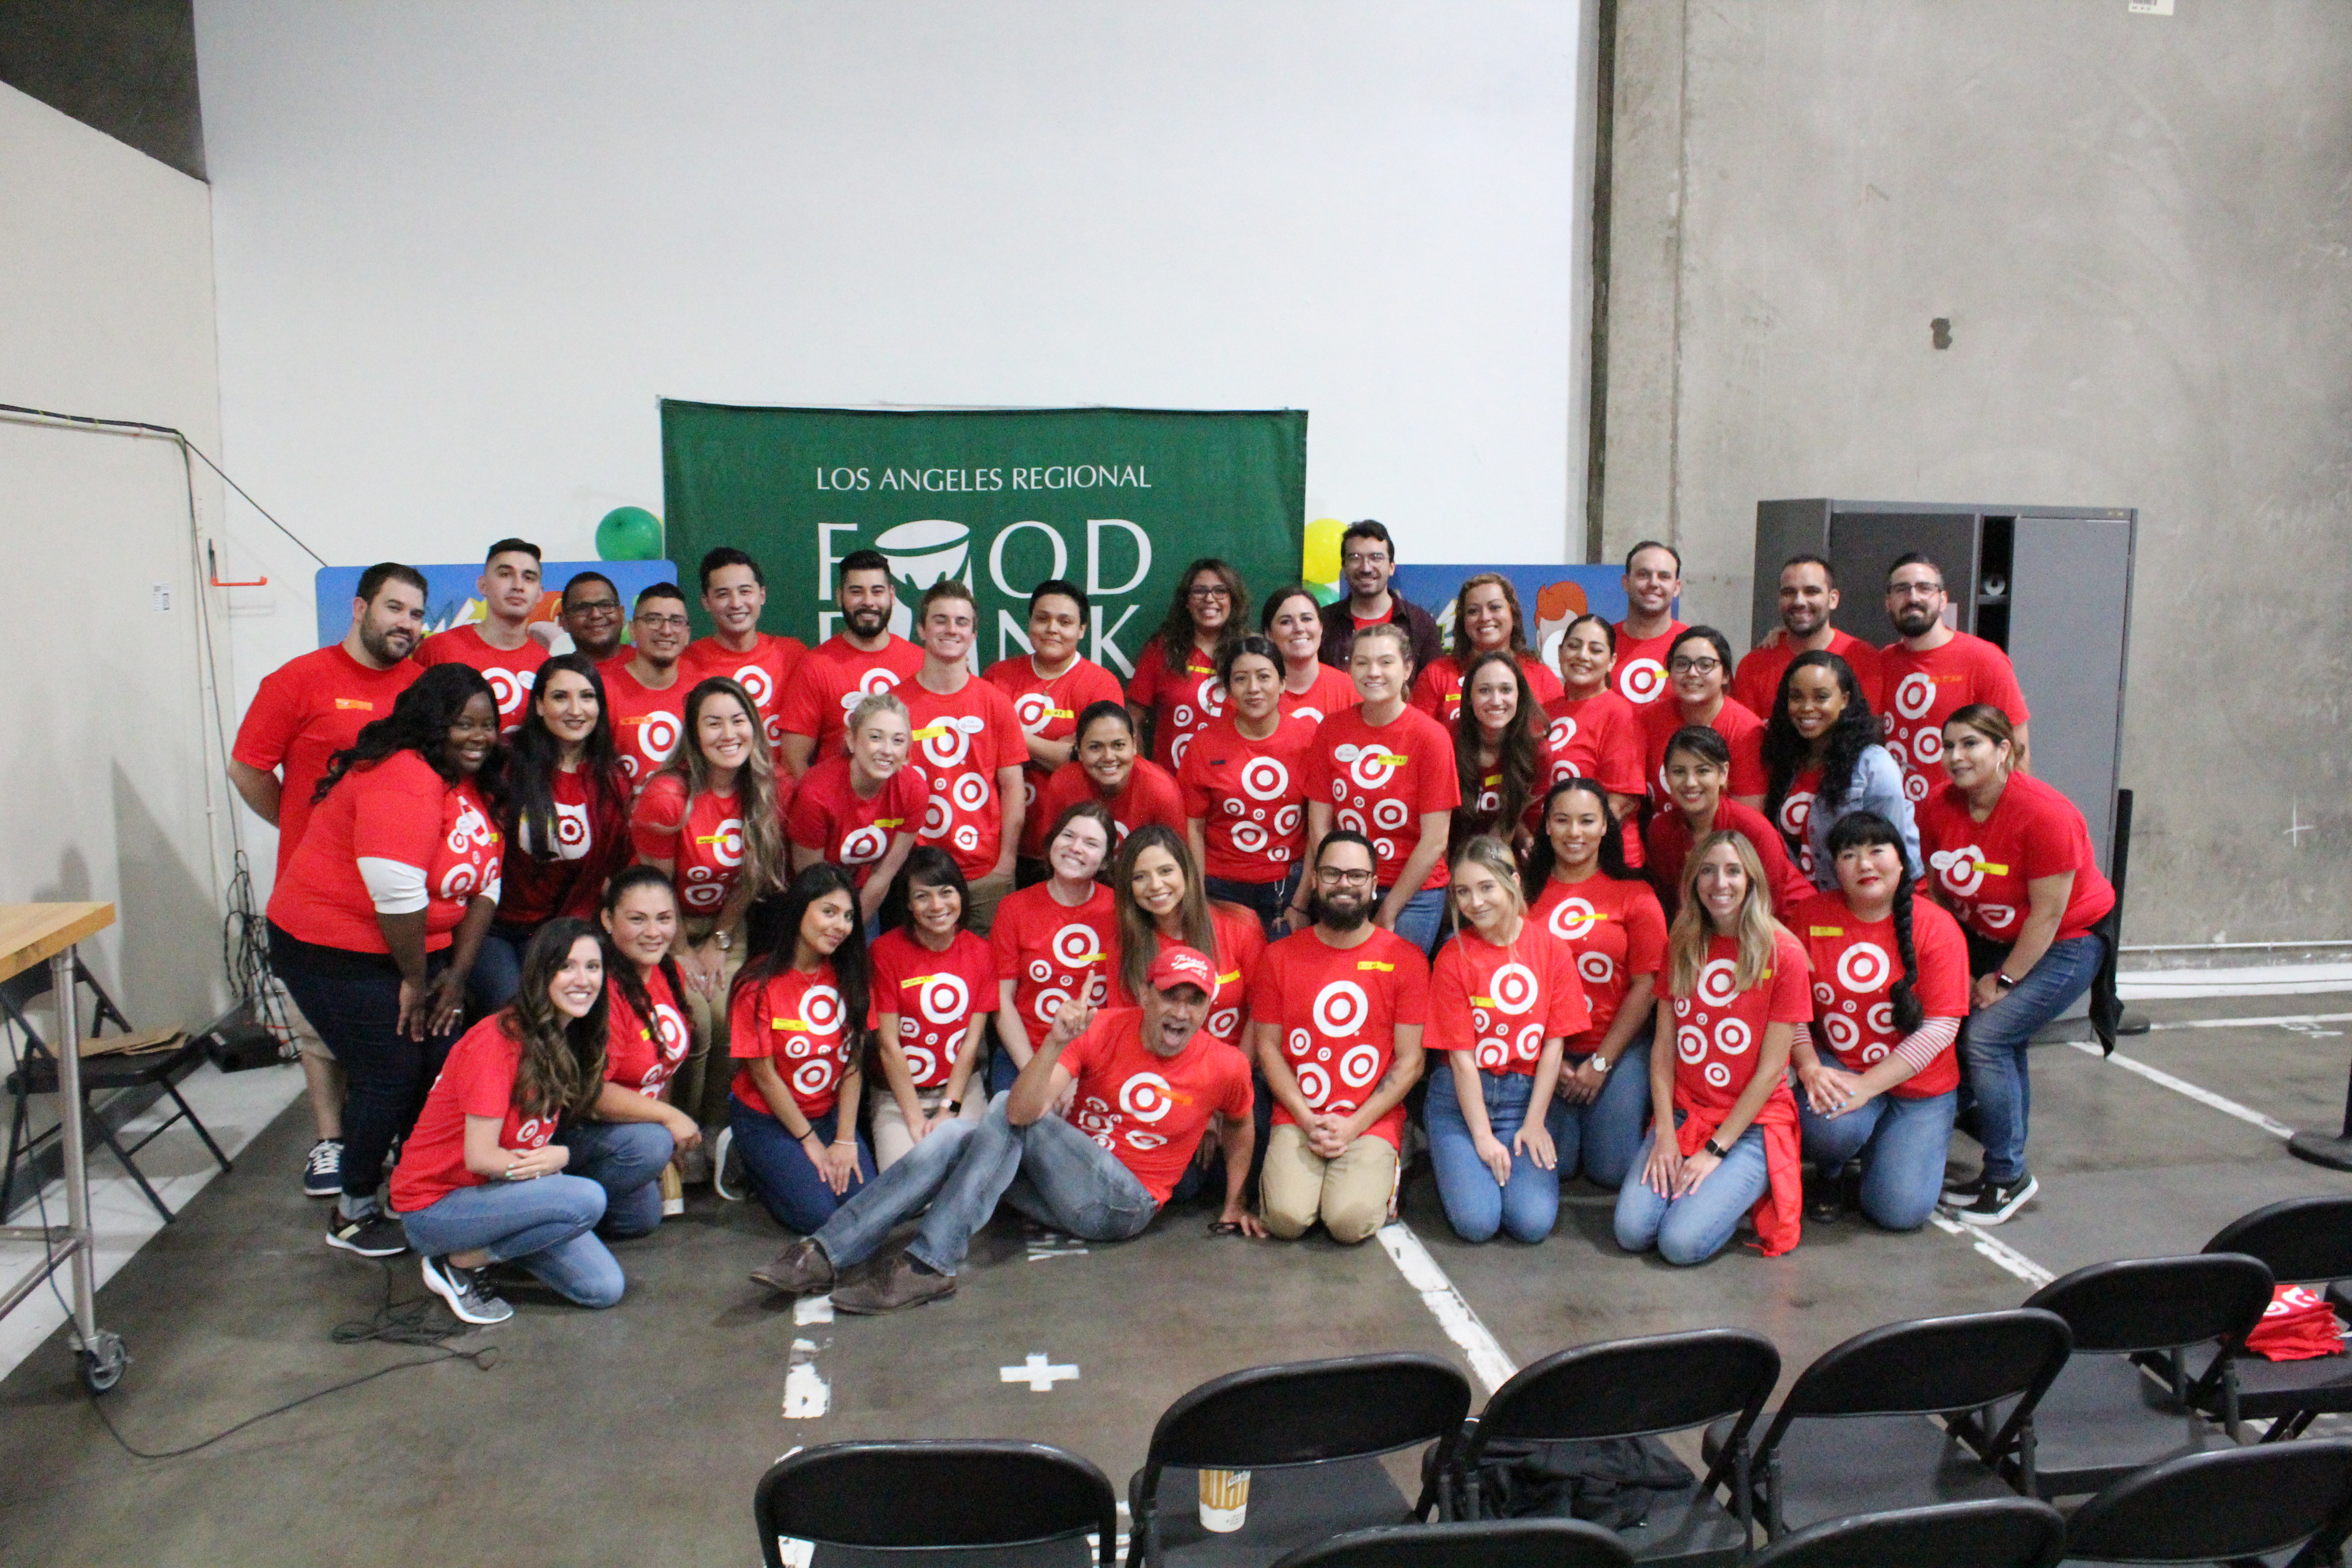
(1320,560)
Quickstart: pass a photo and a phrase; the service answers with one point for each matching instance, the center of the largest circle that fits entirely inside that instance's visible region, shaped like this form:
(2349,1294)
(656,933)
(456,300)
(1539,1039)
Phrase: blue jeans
(1265,899)
(783,1175)
(1693,1227)
(543,1225)
(1476,1206)
(1603,1135)
(497,966)
(626,1159)
(1049,1170)
(1992,1050)
(1902,1144)
(353,1001)
(1424,913)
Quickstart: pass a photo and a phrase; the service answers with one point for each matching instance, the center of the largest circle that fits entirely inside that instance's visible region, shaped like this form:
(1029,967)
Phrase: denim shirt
(1877,786)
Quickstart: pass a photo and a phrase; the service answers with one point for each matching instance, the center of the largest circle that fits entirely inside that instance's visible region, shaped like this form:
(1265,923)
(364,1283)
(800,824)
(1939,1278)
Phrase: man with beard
(864,657)
(1653,581)
(1146,1083)
(1931,674)
(644,692)
(308,710)
(1367,560)
(1809,592)
(1336,1014)
(590,611)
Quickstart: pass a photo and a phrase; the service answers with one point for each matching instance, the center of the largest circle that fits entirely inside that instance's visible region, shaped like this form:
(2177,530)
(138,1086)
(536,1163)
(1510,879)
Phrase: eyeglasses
(1365,558)
(1693,666)
(1209,592)
(595,607)
(1338,879)
(663,623)
(1914,590)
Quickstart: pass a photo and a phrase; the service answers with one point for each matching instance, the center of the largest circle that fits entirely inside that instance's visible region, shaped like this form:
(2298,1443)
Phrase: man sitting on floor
(1148,1082)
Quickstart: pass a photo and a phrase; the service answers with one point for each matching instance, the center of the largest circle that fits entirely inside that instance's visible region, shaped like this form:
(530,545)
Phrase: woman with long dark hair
(1487,619)
(1698,680)
(1588,898)
(567,819)
(1160,902)
(1699,771)
(1594,733)
(1174,692)
(798,1022)
(482,1179)
(376,920)
(1501,760)
(1311,690)
(1244,783)
(1880,1079)
(1054,941)
(1822,761)
(629,1135)
(1108,765)
(934,986)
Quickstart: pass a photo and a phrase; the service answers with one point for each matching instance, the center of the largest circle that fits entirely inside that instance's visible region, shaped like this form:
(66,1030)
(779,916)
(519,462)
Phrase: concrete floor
(635,1434)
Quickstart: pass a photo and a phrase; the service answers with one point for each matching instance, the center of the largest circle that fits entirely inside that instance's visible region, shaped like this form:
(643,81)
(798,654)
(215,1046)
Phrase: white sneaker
(726,1170)
(469,1297)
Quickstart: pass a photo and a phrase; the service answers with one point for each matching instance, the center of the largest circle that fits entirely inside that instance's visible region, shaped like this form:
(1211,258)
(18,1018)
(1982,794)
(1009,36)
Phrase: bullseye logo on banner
(1116,500)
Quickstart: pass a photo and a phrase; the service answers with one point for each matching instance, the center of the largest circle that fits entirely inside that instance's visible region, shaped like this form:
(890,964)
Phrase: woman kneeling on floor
(469,1187)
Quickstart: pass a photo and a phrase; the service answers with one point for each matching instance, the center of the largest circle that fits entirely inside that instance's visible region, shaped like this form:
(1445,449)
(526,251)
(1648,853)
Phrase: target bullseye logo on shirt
(867,845)
(510,687)
(571,833)
(657,736)
(1368,767)
(1641,680)
(1562,730)
(1718,982)
(1034,709)
(873,680)
(1914,695)
(1961,871)
(1340,1009)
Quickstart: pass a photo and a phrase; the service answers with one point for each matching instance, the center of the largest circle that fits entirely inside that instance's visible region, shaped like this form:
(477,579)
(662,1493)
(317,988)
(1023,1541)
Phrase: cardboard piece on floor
(135,1044)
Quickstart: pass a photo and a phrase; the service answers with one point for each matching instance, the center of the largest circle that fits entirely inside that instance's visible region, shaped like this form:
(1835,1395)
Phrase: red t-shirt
(1614,930)
(1639,671)
(1501,1004)
(592,842)
(1251,797)
(1332,692)
(826,816)
(1855,964)
(646,724)
(1048,710)
(1796,817)
(1489,798)
(511,672)
(1597,737)
(1148,1110)
(1757,684)
(1719,1031)
(644,1054)
(1741,731)
(1240,941)
(1667,844)
(1918,692)
(936,996)
(833,678)
(703,840)
(1151,795)
(306,710)
(1338,1009)
(1381,779)
(1437,690)
(762,671)
(476,1079)
(399,833)
(961,743)
(798,1020)
(1981,869)
(1181,705)
(1054,954)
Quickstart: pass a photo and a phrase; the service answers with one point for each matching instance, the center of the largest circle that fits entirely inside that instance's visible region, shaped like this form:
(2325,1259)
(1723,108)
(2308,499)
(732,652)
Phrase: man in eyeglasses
(1933,672)
(1367,561)
(644,692)
(1336,1014)
(590,611)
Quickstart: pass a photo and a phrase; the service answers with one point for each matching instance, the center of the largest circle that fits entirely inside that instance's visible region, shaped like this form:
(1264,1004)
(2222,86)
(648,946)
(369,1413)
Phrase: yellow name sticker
(789,1025)
(1394,759)
(1482,1001)
(1827,930)
(360,703)
(1990,870)
(930,733)
(1364,963)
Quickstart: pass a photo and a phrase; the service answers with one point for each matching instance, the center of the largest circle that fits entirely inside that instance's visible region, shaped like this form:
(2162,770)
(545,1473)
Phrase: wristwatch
(1715,1149)
(955,1107)
(1597,1062)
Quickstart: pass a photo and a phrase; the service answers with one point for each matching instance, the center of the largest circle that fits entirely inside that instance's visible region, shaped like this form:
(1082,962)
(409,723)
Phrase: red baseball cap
(1181,965)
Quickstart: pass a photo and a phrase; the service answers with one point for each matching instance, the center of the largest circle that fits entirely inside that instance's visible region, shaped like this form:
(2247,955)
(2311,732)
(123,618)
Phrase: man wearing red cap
(1148,1081)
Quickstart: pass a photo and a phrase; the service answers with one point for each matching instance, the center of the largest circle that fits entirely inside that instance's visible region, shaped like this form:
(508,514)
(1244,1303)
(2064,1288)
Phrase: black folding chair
(1639,1388)
(2124,1400)
(1491,1543)
(1309,1433)
(2227,1507)
(2303,1241)
(1853,1435)
(1013,1503)
(36,1073)
(1997,1532)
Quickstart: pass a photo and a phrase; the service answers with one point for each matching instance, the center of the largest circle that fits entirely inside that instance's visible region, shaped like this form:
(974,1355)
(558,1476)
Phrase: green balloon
(629,533)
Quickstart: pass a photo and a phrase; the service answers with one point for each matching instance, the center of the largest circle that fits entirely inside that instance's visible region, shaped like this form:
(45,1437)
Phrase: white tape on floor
(2299,1022)
(1999,1251)
(1488,1360)
(2183,1086)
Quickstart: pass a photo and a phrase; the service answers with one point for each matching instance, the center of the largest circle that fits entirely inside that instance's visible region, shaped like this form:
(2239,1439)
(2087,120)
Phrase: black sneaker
(322,1169)
(1961,1191)
(1825,1201)
(472,1300)
(1998,1200)
(375,1236)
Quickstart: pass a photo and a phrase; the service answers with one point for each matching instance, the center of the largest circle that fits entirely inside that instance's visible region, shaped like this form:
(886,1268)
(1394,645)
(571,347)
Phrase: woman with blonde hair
(1724,1141)
(859,808)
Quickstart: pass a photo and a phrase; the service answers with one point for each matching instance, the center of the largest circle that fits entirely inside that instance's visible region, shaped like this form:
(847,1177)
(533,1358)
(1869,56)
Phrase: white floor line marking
(1999,1251)
(1038,1371)
(2296,1021)
(812,1309)
(1488,1360)
(807,1395)
(2271,1125)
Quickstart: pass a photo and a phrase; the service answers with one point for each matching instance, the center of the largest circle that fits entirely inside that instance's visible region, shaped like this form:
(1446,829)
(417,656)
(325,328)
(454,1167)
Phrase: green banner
(1117,501)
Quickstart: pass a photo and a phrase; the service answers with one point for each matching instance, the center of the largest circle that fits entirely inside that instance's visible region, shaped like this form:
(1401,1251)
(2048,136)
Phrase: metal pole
(2336,1153)
(76,1172)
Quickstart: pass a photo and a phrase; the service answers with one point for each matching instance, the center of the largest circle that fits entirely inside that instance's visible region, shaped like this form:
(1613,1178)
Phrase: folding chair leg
(91,1118)
(17,1146)
(189,1114)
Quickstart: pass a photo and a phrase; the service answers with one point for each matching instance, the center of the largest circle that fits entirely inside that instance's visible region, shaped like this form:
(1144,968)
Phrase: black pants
(352,999)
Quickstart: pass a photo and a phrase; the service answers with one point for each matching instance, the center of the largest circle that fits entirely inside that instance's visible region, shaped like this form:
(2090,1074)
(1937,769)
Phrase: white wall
(462,248)
(106,309)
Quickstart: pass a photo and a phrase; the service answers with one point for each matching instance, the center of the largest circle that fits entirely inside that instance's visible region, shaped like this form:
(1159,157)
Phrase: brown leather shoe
(889,1288)
(800,1269)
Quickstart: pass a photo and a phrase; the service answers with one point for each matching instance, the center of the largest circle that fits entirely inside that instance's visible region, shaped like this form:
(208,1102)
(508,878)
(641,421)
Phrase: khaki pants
(986,894)
(1349,1193)
(700,1087)
(891,1142)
